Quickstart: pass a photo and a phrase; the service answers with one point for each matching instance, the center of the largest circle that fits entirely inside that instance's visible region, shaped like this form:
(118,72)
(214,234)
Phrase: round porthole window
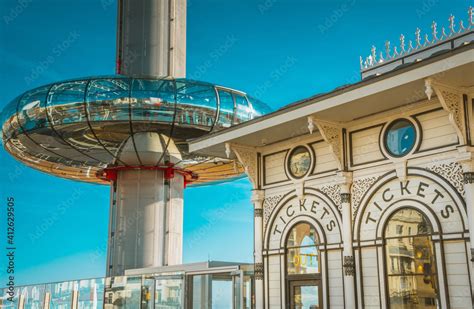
(400,137)
(299,162)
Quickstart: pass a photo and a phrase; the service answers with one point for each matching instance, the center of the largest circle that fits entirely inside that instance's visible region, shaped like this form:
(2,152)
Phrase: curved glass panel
(242,110)
(299,162)
(410,261)
(107,99)
(153,101)
(65,103)
(302,253)
(9,119)
(258,108)
(400,137)
(197,104)
(31,109)
(75,127)
(226,109)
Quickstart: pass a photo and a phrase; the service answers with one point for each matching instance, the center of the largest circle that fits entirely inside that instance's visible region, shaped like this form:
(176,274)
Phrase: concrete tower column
(151,38)
(146,224)
(257,200)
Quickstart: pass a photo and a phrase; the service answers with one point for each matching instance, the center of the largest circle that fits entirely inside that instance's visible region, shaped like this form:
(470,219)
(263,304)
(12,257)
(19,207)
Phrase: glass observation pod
(218,285)
(76,128)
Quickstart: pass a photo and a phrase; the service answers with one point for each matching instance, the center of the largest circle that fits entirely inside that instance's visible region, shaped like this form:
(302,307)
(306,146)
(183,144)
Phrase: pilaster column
(469,198)
(257,200)
(467,162)
(348,257)
(468,175)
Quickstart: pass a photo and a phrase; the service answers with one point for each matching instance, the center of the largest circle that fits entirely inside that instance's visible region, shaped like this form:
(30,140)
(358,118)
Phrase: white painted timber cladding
(324,158)
(437,130)
(365,146)
(437,133)
(370,278)
(275,168)
(457,274)
(336,288)
(274,281)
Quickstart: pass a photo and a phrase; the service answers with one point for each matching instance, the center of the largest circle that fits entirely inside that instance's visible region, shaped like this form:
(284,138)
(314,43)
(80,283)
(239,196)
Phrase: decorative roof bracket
(332,134)
(247,156)
(451,100)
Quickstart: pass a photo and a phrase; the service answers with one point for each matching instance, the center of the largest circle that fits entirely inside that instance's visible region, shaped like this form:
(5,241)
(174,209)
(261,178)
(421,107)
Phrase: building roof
(401,86)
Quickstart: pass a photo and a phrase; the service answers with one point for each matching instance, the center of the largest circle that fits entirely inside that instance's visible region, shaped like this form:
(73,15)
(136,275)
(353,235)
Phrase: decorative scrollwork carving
(334,193)
(359,187)
(269,205)
(452,102)
(452,172)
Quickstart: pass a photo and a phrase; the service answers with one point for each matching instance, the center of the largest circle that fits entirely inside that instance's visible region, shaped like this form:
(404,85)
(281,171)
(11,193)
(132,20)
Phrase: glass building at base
(199,285)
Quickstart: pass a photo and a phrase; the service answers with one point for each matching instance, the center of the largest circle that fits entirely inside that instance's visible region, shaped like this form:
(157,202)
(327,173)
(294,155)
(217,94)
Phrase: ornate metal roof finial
(418,37)
(381,58)
(443,34)
(434,27)
(461,26)
(427,40)
(395,52)
(471,16)
(410,46)
(387,49)
(361,63)
(374,53)
(402,43)
(451,24)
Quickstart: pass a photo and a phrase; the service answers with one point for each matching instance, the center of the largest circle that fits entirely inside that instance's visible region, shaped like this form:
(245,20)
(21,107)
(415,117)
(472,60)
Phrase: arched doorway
(410,261)
(303,271)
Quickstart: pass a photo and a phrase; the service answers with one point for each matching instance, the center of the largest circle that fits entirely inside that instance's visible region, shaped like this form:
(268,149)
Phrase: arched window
(301,252)
(410,261)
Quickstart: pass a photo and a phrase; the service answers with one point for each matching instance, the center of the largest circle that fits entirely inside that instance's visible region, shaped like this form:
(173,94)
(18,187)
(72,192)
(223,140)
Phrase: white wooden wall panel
(336,287)
(370,279)
(457,274)
(324,158)
(274,291)
(437,130)
(275,168)
(365,146)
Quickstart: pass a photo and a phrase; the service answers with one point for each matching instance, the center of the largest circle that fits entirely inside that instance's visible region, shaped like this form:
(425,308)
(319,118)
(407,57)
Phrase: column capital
(465,157)
(345,198)
(344,179)
(257,196)
(468,178)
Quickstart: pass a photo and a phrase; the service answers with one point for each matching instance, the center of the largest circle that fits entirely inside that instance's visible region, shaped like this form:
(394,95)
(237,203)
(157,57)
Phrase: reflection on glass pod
(76,128)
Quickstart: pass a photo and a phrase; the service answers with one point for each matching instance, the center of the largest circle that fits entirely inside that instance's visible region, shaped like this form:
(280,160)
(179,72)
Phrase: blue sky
(277,50)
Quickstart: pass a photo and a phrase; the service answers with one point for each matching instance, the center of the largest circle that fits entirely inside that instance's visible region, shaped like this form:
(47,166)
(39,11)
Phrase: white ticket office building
(364,196)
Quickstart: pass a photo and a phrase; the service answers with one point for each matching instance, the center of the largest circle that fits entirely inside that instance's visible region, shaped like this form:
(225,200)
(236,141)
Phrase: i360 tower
(129,130)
